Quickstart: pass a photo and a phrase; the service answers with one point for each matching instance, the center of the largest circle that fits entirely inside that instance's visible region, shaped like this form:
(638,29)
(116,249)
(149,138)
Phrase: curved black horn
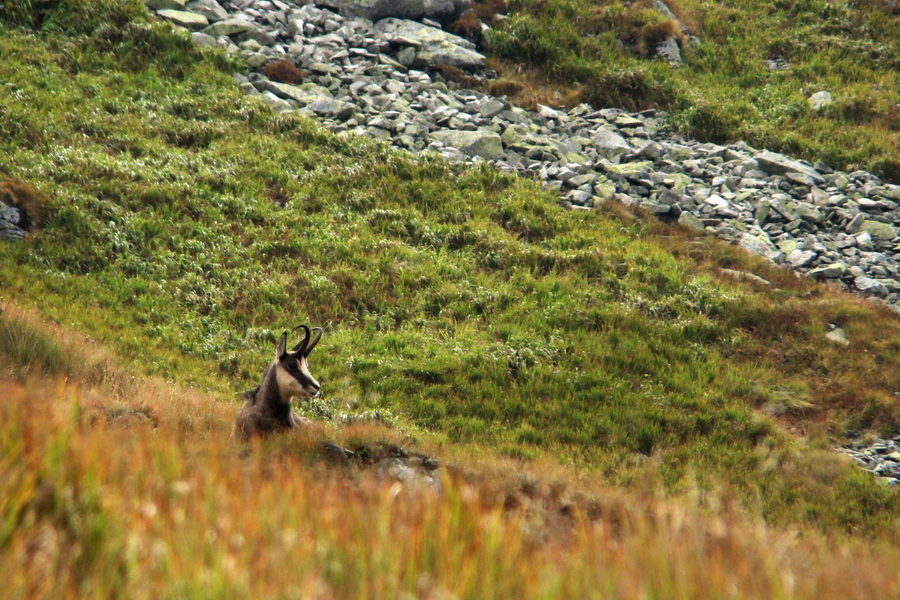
(314,341)
(302,345)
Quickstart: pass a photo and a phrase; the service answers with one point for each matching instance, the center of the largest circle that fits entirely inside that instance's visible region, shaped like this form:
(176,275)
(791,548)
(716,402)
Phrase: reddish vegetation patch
(283,72)
(468,25)
(31,203)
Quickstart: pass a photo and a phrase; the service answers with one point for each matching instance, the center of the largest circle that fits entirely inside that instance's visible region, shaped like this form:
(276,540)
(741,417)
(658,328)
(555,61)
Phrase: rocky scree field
(404,81)
(755,71)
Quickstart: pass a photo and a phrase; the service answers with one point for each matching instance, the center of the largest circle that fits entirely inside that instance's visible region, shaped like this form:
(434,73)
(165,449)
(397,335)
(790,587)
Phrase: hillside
(749,68)
(185,225)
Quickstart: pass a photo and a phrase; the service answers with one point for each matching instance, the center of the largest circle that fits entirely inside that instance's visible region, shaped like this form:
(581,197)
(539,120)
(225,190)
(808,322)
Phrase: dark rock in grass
(22,209)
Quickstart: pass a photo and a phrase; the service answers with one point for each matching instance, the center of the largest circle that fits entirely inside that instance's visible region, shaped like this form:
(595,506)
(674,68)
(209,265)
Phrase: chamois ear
(302,344)
(312,344)
(282,345)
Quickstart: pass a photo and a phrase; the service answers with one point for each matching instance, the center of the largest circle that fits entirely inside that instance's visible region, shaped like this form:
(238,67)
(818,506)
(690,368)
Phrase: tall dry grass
(93,505)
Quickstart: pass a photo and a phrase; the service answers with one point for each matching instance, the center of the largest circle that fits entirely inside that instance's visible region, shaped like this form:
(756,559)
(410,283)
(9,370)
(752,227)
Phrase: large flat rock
(485,144)
(433,46)
(374,10)
(185,19)
(304,94)
(779,164)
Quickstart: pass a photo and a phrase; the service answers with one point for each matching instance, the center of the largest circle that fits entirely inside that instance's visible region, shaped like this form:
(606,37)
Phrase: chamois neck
(269,395)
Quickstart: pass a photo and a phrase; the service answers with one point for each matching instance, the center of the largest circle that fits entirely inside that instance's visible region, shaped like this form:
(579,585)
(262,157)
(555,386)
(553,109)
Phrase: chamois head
(291,368)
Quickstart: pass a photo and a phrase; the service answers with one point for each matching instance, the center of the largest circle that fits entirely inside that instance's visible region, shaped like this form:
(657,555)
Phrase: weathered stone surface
(609,143)
(838,336)
(801,258)
(184,19)
(757,244)
(879,230)
(485,144)
(670,51)
(832,271)
(867,285)
(634,169)
(332,109)
(210,9)
(688,220)
(303,94)
(374,10)
(432,45)
(164,4)
(10,219)
(821,100)
(778,164)
(229,27)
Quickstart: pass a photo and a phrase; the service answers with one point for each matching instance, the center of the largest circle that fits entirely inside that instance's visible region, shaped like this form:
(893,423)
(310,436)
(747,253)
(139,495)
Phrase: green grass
(188,225)
(726,91)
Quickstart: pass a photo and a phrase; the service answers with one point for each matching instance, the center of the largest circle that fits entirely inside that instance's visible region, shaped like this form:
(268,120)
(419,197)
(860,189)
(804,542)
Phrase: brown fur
(283,72)
(267,407)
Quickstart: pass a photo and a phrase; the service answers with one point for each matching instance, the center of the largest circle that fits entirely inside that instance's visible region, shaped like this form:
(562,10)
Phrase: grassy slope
(190,224)
(725,90)
(175,511)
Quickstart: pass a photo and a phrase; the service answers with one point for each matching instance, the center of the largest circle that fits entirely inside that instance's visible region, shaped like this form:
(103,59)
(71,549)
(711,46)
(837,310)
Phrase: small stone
(229,27)
(778,164)
(879,230)
(626,121)
(871,287)
(755,244)
(185,19)
(855,224)
(547,112)
(688,220)
(832,271)
(485,144)
(801,258)
(821,100)
(838,336)
(210,9)
(491,108)
(762,211)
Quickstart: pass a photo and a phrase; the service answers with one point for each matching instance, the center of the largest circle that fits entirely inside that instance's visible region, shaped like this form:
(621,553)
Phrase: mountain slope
(750,75)
(188,225)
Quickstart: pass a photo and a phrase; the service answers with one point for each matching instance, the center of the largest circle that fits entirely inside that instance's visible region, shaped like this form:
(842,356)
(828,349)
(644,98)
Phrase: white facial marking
(287,385)
(304,368)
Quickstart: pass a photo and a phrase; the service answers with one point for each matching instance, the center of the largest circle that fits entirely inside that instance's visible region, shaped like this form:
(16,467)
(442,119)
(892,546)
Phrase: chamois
(268,405)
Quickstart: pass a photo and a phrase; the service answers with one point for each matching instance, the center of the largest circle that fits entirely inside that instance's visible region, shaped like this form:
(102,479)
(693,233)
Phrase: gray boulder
(779,164)
(610,143)
(230,27)
(210,9)
(303,94)
(867,285)
(185,19)
(485,144)
(163,4)
(431,46)
(444,11)
(9,223)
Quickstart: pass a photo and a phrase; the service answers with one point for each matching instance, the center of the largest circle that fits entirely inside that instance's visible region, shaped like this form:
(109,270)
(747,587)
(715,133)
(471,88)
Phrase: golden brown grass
(94,507)
(526,88)
(116,487)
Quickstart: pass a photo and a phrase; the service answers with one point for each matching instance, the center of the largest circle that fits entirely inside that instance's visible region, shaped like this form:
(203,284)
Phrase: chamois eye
(292,365)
